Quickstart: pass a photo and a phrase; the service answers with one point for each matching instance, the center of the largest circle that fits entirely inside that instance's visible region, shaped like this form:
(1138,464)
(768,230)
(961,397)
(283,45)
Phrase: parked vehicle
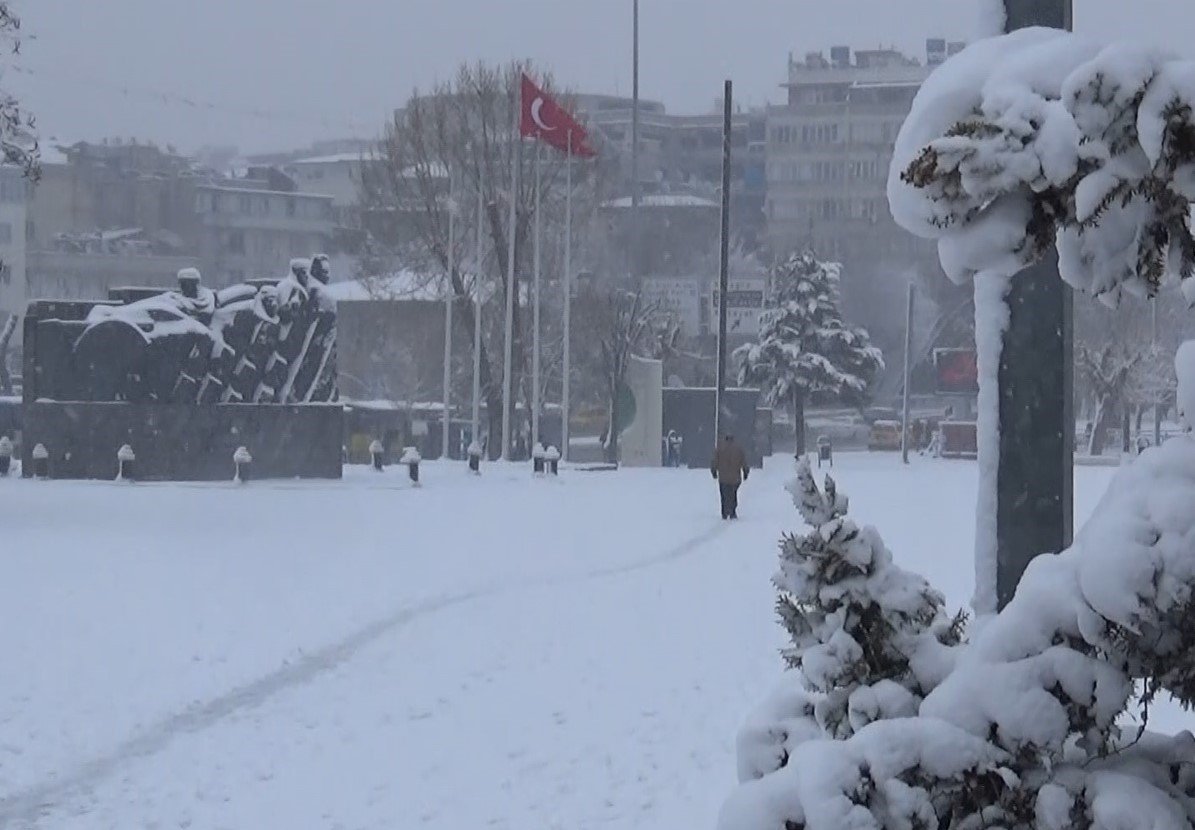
(885,436)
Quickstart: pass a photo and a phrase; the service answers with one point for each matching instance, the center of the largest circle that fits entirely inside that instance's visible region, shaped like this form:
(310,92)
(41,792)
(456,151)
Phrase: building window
(5,233)
(245,205)
(291,206)
(236,242)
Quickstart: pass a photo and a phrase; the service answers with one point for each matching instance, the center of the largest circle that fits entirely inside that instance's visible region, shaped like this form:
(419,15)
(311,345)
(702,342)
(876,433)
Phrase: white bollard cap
(40,452)
(125,453)
(242,456)
(410,455)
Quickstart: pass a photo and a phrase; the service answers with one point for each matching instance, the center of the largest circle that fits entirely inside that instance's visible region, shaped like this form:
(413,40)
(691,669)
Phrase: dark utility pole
(1037,426)
(635,235)
(724,260)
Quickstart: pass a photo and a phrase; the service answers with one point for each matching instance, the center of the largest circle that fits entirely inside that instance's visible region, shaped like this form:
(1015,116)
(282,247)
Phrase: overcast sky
(334,68)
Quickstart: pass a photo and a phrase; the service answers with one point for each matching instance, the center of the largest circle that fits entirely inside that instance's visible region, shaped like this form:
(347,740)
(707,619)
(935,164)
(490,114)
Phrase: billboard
(678,297)
(956,371)
(744,305)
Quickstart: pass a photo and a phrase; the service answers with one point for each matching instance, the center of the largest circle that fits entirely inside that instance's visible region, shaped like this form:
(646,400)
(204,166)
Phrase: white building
(337,175)
(828,153)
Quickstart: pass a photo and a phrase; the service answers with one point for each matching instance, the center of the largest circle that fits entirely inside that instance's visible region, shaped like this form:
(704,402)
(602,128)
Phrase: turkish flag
(551,123)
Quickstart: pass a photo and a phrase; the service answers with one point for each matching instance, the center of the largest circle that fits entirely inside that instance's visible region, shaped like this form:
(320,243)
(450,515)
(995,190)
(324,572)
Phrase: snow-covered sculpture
(1027,725)
(244,343)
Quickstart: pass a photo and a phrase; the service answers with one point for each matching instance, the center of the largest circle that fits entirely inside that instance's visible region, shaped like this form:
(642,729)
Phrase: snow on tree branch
(1042,139)
(18,138)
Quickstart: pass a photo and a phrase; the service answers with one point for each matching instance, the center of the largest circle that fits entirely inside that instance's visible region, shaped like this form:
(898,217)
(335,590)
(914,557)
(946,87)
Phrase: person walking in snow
(729,469)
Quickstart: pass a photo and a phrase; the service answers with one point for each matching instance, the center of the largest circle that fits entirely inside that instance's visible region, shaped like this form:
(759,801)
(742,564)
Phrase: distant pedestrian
(729,469)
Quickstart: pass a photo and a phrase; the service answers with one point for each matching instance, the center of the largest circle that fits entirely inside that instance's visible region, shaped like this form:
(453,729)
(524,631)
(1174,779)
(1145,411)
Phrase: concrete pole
(904,437)
(724,261)
(1158,404)
(1035,478)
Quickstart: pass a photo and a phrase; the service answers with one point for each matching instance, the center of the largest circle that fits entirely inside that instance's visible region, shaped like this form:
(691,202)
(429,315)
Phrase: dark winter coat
(729,463)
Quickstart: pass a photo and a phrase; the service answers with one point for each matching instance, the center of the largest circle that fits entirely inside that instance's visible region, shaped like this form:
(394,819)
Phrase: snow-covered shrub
(1028,724)
(1043,138)
(868,640)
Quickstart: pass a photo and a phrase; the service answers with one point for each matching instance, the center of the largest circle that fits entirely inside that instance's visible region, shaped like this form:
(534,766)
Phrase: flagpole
(511,283)
(568,298)
(448,298)
(477,269)
(535,311)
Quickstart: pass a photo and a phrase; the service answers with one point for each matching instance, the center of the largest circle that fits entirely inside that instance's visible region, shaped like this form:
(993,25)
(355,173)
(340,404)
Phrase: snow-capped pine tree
(805,347)
(867,635)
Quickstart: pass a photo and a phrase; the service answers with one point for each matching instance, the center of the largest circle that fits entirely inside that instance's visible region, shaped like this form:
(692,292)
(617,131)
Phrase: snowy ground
(499,653)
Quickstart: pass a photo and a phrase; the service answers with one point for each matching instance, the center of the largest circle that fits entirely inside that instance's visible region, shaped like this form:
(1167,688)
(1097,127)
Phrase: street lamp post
(1037,428)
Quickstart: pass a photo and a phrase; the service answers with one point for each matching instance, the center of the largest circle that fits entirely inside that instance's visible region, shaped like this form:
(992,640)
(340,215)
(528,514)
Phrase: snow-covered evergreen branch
(1043,139)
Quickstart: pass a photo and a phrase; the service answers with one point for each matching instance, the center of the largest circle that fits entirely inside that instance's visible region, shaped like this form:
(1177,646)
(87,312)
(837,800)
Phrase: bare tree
(615,323)
(461,135)
(1120,369)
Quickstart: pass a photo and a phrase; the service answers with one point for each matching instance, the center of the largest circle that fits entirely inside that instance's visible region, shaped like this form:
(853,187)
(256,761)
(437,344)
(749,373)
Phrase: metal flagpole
(448,301)
(511,283)
(724,264)
(535,313)
(568,298)
(477,270)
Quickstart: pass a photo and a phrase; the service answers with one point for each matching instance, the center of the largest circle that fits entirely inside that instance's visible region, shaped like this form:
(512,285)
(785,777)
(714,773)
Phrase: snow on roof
(400,285)
(52,154)
(663,200)
(335,158)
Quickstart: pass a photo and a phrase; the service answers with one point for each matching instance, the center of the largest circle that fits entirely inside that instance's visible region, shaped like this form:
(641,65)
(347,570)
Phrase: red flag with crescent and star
(543,118)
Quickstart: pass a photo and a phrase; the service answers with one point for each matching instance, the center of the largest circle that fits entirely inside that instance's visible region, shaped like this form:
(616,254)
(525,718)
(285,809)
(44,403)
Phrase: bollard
(5,455)
(377,455)
(552,457)
(243,461)
(475,458)
(41,461)
(411,457)
(537,459)
(125,459)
